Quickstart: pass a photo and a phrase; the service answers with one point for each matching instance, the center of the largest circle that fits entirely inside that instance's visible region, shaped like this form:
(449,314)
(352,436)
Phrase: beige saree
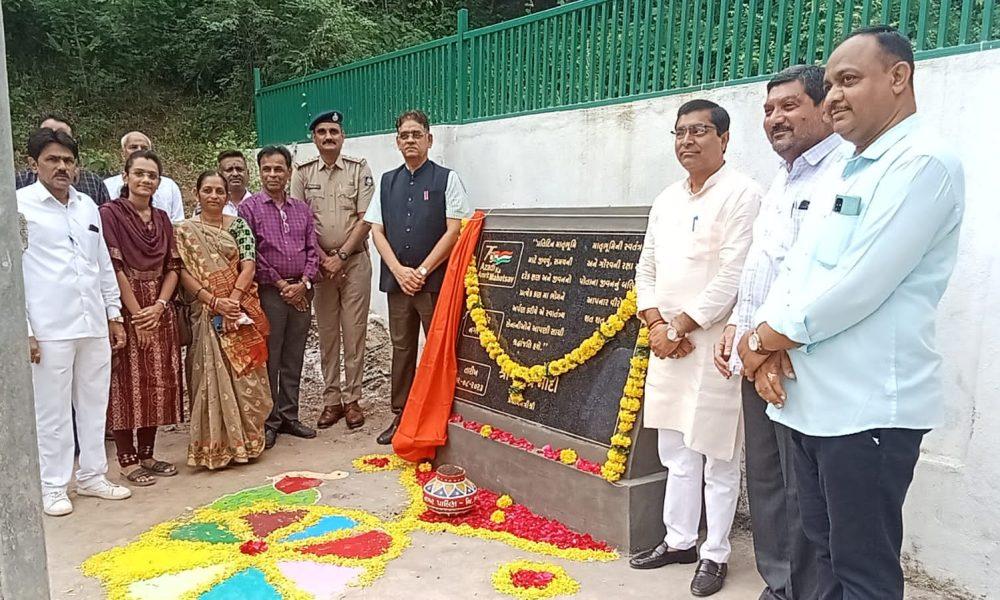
(227,372)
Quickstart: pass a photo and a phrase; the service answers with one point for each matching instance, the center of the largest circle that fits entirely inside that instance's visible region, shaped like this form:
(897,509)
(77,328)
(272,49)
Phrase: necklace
(222,222)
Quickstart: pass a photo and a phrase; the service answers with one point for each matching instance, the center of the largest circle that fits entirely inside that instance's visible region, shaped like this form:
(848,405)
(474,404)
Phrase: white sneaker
(104,489)
(56,504)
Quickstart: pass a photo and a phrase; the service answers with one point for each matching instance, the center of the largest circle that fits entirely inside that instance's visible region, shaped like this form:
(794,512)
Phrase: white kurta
(691,262)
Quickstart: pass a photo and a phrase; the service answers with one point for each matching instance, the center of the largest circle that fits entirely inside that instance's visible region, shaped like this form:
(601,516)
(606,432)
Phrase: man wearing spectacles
(687,277)
(415,220)
(287,265)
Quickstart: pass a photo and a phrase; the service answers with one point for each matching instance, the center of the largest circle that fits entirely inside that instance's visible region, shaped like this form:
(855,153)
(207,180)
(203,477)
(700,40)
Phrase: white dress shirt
(793,194)
(70,287)
(166,198)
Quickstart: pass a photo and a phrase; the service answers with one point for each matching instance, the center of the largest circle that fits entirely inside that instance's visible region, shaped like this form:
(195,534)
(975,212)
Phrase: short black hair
(891,42)
(230,154)
(271,151)
(810,76)
(719,116)
(55,117)
(43,136)
(414,115)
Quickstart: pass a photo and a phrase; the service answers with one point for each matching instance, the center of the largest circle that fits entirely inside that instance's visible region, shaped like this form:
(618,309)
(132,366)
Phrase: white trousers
(73,374)
(682,502)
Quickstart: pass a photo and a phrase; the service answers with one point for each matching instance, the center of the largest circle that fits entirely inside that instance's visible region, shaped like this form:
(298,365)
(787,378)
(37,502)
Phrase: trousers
(406,316)
(785,559)
(286,350)
(72,375)
(682,502)
(341,307)
(851,493)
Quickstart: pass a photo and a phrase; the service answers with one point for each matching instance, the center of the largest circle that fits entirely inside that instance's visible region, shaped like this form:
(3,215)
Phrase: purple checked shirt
(286,238)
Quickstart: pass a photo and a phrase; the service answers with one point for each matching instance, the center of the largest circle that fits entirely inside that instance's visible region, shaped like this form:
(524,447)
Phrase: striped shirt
(782,210)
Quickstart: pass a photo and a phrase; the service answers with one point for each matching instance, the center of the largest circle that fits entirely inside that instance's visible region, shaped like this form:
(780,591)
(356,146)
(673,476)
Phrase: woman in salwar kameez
(146,374)
(226,363)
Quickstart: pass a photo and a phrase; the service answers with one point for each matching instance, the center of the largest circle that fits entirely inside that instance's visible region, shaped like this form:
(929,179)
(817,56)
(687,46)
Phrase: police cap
(331,116)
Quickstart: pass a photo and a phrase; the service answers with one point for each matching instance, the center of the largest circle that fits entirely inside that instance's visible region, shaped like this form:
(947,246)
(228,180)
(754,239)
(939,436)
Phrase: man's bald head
(134,141)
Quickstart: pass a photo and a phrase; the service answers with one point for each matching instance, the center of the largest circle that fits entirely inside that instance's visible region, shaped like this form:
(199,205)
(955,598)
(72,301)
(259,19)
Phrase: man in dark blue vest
(415,218)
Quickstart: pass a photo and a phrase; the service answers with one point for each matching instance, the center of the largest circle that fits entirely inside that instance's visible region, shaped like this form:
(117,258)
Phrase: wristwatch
(672,334)
(753,342)
(343,255)
(118,319)
(307,283)
(423,271)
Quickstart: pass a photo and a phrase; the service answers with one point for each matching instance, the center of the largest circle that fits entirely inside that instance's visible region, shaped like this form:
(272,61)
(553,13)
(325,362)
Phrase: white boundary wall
(622,155)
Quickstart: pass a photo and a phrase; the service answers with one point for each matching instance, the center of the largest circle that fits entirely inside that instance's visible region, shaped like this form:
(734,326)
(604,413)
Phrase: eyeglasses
(696,130)
(414,135)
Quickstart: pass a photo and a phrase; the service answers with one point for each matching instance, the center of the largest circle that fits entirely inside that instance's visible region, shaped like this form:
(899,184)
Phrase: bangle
(655,323)
(163,302)
(213,303)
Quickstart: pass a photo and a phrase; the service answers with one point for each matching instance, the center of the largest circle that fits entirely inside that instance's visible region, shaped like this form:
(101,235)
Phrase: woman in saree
(226,363)
(146,374)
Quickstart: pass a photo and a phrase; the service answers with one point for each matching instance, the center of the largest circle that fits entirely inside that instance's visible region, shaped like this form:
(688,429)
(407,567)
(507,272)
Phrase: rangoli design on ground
(277,542)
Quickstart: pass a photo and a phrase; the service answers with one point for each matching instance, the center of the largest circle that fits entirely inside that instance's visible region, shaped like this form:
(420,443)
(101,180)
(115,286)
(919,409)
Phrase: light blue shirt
(860,291)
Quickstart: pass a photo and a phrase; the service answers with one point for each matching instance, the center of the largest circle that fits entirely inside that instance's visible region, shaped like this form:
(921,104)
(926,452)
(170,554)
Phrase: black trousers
(406,315)
(786,560)
(851,493)
(286,349)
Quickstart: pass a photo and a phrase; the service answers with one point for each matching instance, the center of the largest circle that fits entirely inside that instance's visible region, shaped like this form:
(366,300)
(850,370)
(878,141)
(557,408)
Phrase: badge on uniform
(368,181)
(427,195)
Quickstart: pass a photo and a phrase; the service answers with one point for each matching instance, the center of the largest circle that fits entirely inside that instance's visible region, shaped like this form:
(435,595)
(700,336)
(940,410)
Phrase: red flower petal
(265,523)
(253,547)
(528,578)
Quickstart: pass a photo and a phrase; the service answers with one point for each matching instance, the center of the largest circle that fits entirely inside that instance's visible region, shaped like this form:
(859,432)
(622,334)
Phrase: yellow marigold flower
(624,426)
(498,516)
(567,456)
(485,431)
(621,440)
(424,467)
(505,501)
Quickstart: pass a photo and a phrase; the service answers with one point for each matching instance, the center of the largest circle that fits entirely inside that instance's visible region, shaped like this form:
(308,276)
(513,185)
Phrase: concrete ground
(435,566)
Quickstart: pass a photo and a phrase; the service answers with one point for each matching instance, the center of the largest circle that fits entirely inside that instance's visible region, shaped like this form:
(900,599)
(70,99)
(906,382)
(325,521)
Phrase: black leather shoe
(270,437)
(385,438)
(663,555)
(708,578)
(298,429)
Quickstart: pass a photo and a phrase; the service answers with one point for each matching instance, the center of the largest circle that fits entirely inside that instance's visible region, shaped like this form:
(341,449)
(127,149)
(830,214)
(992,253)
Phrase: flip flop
(139,477)
(161,468)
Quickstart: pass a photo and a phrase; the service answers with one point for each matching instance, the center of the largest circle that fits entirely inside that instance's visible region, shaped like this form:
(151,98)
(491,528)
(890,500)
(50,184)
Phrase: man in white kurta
(74,322)
(698,234)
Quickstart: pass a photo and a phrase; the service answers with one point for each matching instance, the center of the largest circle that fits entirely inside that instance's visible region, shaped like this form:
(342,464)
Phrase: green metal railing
(594,52)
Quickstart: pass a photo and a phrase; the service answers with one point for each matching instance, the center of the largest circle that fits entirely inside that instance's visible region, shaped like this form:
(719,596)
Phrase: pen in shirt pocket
(694,222)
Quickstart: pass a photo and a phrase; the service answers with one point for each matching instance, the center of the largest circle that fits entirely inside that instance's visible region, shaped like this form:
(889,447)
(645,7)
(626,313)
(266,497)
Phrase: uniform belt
(334,252)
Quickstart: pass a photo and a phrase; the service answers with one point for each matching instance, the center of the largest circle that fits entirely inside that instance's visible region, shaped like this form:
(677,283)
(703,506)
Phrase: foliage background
(181,70)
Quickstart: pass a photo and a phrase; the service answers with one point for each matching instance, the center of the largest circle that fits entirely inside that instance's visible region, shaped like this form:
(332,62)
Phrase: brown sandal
(140,477)
(160,468)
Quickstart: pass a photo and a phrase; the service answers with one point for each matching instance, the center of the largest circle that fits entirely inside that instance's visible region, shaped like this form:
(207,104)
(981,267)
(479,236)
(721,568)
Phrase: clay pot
(449,492)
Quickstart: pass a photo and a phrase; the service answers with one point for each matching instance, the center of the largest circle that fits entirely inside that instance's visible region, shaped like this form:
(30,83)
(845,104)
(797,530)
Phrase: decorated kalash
(523,428)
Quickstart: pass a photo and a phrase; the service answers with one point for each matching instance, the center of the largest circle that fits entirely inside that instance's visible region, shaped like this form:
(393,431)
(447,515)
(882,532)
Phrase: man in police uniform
(339,188)
(415,219)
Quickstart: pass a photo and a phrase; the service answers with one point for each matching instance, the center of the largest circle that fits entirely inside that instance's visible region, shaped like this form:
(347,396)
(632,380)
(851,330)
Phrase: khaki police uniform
(339,195)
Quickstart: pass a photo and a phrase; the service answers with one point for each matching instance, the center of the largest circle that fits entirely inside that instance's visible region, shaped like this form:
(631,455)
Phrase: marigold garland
(521,375)
(630,403)
(529,580)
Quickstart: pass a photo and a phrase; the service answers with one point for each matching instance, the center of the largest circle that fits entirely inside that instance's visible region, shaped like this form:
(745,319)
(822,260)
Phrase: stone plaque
(546,292)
